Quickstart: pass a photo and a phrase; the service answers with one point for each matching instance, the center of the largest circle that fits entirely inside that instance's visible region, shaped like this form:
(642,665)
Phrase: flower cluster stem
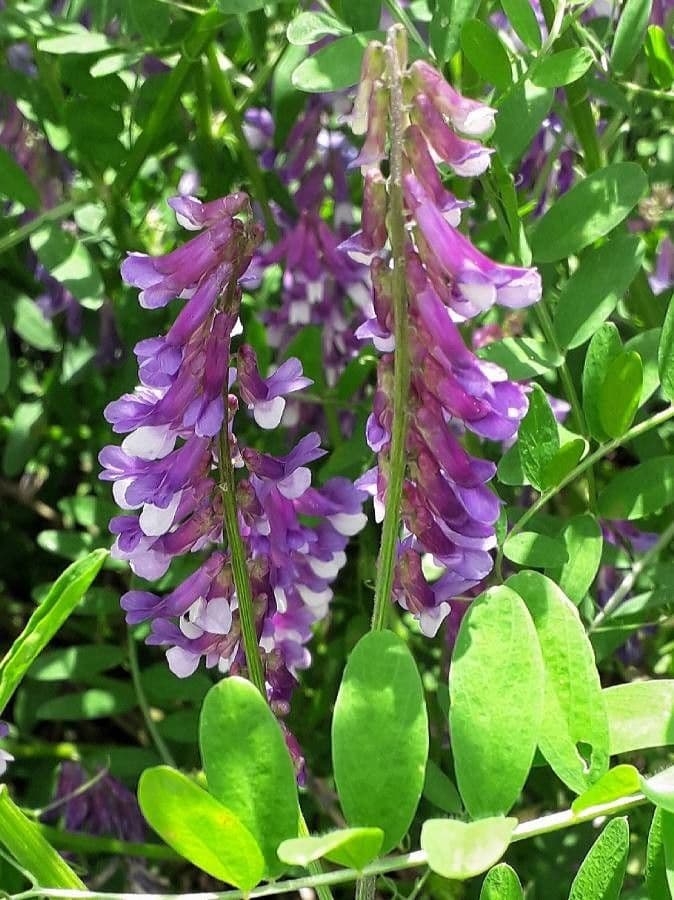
(401,364)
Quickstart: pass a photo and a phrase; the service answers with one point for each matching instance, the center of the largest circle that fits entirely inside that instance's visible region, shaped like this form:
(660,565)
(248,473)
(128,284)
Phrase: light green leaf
(33,327)
(460,850)
(573,730)
(200,828)
(523,20)
(617,782)
(522,110)
(538,439)
(248,766)
(640,715)
(666,353)
(565,459)
(602,872)
(667,831)
(660,789)
(501,883)
(657,871)
(76,663)
(350,847)
(26,423)
(563,67)
(65,594)
(629,35)
(591,294)
(591,209)
(380,737)
(496,684)
(639,491)
(522,357)
(78,40)
(15,184)
(309,27)
(660,57)
(645,343)
(485,51)
(620,393)
(68,261)
(583,541)
(335,66)
(528,548)
(604,347)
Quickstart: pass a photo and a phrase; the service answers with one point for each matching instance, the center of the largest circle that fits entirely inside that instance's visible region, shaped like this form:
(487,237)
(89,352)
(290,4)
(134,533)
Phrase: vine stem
(630,580)
(583,465)
(401,363)
(150,724)
(418,858)
(51,215)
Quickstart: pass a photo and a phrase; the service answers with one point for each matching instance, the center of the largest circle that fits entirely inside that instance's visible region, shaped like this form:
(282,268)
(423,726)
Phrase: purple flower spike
(468,116)
(266,396)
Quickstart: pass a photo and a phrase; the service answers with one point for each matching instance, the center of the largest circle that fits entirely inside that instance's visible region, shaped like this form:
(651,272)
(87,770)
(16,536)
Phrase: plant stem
(401,364)
(91,844)
(223,89)
(525,830)
(51,215)
(157,739)
(630,580)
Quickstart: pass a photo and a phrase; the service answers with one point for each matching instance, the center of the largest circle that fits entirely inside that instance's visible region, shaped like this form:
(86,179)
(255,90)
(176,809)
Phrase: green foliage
(351,847)
(601,874)
(629,35)
(640,715)
(563,68)
(335,66)
(486,52)
(620,393)
(460,850)
(501,883)
(618,782)
(640,491)
(538,441)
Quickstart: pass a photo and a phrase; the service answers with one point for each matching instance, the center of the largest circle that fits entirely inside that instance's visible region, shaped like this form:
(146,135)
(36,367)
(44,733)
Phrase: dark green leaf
(5,360)
(640,715)
(620,393)
(15,184)
(645,343)
(601,874)
(485,51)
(640,491)
(616,783)
(33,327)
(309,27)
(96,703)
(523,20)
(592,293)
(335,66)
(439,790)
(200,828)
(563,68)
(629,35)
(522,110)
(496,700)
(350,847)
(247,764)
(380,737)
(501,883)
(604,347)
(527,548)
(69,262)
(522,357)
(666,353)
(591,209)
(574,717)
(239,7)
(538,439)
(460,850)
(362,16)
(26,423)
(565,459)
(76,663)
(446,24)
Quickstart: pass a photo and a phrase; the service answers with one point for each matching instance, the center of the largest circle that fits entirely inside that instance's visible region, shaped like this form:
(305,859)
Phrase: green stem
(401,364)
(583,465)
(107,846)
(525,830)
(150,724)
(223,89)
(238,557)
(630,580)
(54,214)
(198,37)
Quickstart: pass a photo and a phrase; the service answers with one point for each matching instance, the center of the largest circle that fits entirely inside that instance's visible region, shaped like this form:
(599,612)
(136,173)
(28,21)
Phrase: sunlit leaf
(640,715)
(350,847)
(601,873)
(460,850)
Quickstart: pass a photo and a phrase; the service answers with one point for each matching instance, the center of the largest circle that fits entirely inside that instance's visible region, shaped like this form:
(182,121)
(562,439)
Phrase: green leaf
(640,715)
(15,184)
(79,40)
(69,262)
(200,828)
(640,491)
(485,51)
(528,548)
(350,847)
(573,730)
(362,16)
(5,360)
(538,439)
(660,57)
(666,353)
(309,27)
(565,459)
(645,343)
(65,594)
(523,20)
(620,393)
(522,357)
(522,110)
(439,789)
(247,764)
(592,293)
(616,783)
(501,883)
(334,67)
(601,873)
(380,737)
(33,327)
(583,541)
(562,68)
(660,789)
(446,24)
(604,347)
(460,850)
(96,703)
(239,7)
(591,209)
(76,663)
(30,849)
(26,423)
(496,701)
(659,856)
(629,35)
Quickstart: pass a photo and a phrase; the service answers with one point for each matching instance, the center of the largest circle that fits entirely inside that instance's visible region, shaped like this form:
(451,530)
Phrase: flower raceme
(447,509)
(164,474)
